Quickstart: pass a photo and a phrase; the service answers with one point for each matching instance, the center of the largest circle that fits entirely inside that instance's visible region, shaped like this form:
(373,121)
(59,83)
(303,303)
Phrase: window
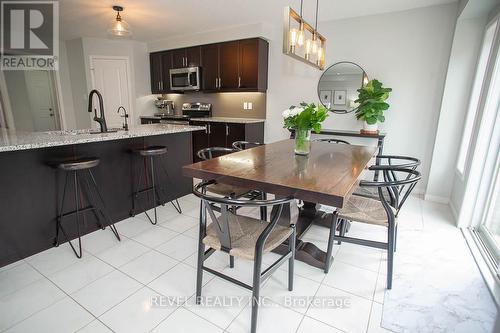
(475,97)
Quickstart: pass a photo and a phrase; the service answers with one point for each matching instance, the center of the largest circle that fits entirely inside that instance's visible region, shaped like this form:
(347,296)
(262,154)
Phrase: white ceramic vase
(370,128)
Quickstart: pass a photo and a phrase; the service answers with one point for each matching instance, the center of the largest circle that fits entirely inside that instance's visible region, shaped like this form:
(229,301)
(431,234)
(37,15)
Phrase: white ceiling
(158,19)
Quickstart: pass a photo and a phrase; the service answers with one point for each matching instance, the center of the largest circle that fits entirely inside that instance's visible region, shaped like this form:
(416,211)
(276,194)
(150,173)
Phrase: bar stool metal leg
(103,210)
(174,202)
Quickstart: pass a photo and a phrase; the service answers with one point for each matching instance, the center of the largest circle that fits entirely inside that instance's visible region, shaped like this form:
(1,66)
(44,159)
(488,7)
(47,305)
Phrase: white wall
(78,52)
(139,66)
(463,59)
(407,51)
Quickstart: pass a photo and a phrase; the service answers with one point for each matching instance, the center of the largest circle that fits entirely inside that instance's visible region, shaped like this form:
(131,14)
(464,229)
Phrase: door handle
(216,83)
(209,129)
(227,130)
(239,81)
(159,85)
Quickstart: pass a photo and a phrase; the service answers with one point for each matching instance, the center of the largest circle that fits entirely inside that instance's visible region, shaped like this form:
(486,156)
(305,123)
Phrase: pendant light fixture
(301,40)
(119,28)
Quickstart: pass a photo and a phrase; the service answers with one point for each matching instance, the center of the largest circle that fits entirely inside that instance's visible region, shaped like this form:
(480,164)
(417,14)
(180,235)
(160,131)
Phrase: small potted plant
(371,100)
(303,119)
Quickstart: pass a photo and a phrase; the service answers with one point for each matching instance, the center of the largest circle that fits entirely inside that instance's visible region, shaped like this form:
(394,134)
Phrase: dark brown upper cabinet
(166,65)
(210,67)
(240,65)
(228,66)
(253,64)
(187,57)
(160,65)
(156,72)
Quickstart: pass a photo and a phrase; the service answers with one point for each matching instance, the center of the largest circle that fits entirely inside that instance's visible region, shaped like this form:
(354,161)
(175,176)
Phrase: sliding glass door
(479,157)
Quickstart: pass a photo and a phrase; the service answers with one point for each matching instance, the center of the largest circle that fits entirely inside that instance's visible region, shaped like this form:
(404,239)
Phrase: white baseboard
(437,199)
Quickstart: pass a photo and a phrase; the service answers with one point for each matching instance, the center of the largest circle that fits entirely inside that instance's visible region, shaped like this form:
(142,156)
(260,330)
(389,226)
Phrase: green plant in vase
(303,119)
(372,104)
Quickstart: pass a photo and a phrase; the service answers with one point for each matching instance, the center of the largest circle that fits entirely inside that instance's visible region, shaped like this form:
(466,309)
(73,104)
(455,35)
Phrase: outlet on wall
(250,106)
(245,106)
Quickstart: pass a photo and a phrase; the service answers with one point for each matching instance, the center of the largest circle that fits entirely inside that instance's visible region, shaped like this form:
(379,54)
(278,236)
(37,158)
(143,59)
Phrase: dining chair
(226,190)
(242,145)
(331,140)
(244,237)
(395,161)
(219,188)
(398,183)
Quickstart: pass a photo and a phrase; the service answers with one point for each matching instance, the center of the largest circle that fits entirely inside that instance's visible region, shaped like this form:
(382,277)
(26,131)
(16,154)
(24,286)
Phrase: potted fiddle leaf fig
(372,104)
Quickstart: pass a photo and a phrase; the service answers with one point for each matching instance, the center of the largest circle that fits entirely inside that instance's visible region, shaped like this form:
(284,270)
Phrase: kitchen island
(30,189)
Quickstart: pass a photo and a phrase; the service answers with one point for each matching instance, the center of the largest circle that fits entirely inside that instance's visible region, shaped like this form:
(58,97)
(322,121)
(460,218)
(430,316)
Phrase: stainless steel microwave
(185,79)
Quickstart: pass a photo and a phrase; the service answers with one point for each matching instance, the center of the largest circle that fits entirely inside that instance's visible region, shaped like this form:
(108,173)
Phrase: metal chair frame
(242,145)
(331,140)
(224,236)
(208,153)
(392,185)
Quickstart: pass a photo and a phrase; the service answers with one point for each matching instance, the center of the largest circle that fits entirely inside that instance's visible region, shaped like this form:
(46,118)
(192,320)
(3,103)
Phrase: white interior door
(40,89)
(111,77)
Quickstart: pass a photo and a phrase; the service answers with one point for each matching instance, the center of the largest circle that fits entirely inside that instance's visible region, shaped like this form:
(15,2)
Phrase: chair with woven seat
(331,140)
(216,188)
(244,237)
(242,145)
(398,184)
(395,161)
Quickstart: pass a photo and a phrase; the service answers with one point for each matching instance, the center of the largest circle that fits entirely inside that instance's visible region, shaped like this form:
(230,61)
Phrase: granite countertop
(229,120)
(12,140)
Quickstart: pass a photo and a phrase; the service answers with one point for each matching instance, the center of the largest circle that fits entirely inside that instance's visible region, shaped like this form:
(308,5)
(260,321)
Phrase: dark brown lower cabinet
(224,134)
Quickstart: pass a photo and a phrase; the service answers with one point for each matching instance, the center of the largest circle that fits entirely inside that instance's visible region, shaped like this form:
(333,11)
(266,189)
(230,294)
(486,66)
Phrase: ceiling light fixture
(301,41)
(119,28)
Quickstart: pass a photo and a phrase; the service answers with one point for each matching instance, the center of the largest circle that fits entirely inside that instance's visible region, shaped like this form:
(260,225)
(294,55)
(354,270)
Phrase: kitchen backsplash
(226,104)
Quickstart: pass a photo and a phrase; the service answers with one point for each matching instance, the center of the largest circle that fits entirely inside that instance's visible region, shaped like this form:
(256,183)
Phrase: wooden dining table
(327,176)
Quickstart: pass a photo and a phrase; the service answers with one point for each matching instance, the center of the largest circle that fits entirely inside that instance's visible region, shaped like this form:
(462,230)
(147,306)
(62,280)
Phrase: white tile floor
(110,289)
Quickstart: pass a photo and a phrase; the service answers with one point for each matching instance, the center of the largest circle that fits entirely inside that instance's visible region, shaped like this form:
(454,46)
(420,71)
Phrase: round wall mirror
(337,87)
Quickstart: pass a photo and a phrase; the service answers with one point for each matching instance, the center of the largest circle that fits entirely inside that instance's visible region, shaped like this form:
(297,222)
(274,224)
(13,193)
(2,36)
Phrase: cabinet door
(156,72)
(179,58)
(166,65)
(228,59)
(200,140)
(249,63)
(193,56)
(235,132)
(210,66)
(217,134)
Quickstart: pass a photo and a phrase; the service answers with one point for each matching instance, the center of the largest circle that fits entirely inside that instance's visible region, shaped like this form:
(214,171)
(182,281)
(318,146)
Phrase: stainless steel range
(189,110)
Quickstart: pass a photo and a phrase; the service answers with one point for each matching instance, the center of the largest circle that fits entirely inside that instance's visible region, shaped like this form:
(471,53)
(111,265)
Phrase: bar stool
(83,182)
(148,154)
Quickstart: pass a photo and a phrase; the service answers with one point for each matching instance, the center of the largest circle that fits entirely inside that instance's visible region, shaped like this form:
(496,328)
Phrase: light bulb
(320,56)
(300,37)
(308,48)
(293,39)
(315,43)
